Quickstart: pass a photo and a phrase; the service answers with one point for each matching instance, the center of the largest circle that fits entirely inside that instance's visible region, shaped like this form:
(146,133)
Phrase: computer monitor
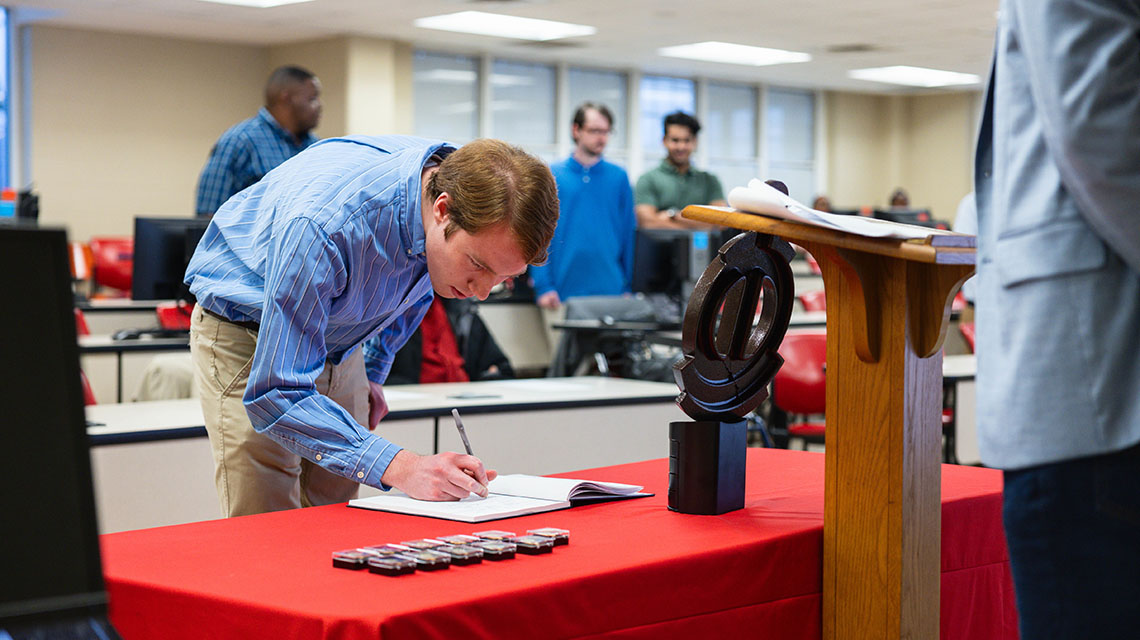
(669,261)
(163,247)
(920,217)
(50,550)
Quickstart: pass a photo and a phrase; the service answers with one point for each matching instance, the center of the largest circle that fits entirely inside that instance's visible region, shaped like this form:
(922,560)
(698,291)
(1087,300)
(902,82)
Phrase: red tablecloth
(633,569)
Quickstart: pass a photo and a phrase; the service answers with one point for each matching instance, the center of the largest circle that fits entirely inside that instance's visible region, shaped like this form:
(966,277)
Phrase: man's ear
(439,208)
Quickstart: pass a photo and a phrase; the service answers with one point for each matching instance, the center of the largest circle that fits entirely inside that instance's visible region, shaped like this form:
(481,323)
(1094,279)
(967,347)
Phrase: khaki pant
(254,474)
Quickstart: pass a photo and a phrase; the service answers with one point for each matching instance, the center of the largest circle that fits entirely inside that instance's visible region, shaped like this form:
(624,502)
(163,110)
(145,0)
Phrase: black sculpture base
(706,466)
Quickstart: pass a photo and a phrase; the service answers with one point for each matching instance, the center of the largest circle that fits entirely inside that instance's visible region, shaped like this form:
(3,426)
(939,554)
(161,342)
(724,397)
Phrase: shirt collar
(668,166)
(413,219)
(581,168)
(287,136)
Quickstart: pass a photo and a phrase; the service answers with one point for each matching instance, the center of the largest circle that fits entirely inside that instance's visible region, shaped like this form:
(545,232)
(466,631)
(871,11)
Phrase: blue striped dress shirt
(325,252)
(242,156)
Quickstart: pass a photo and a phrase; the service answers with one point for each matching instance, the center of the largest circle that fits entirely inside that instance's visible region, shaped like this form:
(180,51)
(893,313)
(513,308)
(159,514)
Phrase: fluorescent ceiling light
(733,53)
(493,24)
(914,76)
(260,4)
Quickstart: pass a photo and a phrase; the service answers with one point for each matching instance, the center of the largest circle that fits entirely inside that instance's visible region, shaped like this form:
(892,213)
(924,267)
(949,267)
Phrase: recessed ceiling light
(503,26)
(914,76)
(260,4)
(733,53)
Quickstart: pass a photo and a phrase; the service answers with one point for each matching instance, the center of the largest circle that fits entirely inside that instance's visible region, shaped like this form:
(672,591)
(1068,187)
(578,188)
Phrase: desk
(108,315)
(958,373)
(153,464)
(593,335)
(113,366)
(633,569)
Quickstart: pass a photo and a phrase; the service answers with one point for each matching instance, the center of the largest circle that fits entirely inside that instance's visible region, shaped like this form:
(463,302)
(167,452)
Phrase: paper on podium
(764,199)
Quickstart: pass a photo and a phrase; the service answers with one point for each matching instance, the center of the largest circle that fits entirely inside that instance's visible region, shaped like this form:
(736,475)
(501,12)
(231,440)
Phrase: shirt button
(585,178)
(359,474)
(318,457)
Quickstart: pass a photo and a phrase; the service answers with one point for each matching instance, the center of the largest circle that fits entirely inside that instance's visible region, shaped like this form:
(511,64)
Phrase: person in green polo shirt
(674,184)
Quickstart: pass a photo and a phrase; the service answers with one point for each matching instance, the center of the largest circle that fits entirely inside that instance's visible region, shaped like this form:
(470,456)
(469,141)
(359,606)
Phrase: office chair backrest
(88,394)
(82,261)
(799,386)
(114,261)
(174,315)
(813,300)
(81,328)
(967,329)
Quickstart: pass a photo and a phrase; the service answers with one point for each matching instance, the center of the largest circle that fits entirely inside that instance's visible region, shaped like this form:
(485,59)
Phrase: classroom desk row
(153,464)
(115,367)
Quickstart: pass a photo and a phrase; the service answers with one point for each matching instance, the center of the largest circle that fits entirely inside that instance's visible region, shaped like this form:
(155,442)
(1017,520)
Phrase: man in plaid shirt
(250,149)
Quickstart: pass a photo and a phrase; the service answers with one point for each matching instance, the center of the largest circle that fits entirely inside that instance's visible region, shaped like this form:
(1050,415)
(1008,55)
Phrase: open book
(510,496)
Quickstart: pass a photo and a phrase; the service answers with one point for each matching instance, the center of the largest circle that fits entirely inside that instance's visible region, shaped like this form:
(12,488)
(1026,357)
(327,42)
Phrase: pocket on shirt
(1052,251)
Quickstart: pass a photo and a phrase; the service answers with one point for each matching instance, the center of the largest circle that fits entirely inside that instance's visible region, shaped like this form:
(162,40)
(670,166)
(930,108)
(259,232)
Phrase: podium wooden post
(888,303)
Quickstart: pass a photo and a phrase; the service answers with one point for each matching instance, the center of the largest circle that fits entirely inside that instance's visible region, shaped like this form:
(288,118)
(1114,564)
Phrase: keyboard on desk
(666,309)
(136,334)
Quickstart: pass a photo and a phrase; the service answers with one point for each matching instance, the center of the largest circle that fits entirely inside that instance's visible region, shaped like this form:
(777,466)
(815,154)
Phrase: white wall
(122,124)
(922,143)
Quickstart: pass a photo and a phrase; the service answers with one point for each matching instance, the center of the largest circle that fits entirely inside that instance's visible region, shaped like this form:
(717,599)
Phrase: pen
(462,432)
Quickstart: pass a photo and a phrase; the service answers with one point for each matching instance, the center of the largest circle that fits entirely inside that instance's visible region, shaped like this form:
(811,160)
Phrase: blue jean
(1073,530)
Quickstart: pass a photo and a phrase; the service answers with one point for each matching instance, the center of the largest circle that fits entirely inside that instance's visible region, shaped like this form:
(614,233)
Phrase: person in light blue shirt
(592,251)
(341,245)
(1057,186)
(248,150)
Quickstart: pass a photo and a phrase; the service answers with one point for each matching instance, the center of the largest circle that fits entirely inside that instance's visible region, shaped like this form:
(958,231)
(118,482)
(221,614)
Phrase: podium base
(706,466)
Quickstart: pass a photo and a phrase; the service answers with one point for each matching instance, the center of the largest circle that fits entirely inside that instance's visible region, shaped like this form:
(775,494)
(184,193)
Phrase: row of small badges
(432,554)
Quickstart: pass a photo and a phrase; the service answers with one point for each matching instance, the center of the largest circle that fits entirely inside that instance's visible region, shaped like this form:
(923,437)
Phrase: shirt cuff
(374,460)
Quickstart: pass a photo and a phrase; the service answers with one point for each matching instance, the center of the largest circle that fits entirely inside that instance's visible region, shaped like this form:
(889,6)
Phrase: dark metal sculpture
(734,323)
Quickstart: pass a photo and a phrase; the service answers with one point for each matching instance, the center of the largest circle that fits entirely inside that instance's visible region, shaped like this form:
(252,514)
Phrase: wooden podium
(888,303)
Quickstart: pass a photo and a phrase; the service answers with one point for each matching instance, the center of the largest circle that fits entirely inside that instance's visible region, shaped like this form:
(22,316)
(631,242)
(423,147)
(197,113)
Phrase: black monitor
(669,261)
(920,217)
(50,550)
(163,247)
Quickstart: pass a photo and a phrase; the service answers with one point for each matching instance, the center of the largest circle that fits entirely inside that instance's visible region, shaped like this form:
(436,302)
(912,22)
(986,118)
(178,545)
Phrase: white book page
(470,509)
(560,489)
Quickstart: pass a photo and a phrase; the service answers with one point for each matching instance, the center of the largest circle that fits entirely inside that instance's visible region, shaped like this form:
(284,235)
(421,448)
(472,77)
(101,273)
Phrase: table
(958,373)
(107,315)
(633,569)
(113,365)
(153,464)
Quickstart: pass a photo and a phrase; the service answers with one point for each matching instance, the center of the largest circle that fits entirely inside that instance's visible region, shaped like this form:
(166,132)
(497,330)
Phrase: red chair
(958,303)
(88,394)
(967,329)
(813,264)
(813,300)
(81,324)
(799,387)
(174,315)
(114,262)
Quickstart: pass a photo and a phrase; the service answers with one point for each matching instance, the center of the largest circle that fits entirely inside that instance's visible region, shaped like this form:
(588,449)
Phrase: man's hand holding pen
(444,476)
(441,477)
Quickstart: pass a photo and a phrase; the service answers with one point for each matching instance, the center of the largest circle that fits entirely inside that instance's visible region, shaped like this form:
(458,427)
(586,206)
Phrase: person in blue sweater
(592,251)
